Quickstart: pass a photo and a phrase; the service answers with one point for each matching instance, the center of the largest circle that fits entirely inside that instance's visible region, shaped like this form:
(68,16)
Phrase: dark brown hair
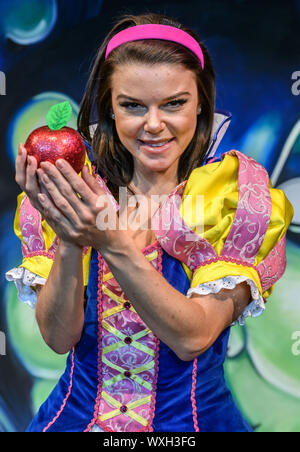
(111,157)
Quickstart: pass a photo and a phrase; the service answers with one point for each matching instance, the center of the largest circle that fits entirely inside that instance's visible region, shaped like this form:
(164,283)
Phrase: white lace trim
(24,281)
(254,309)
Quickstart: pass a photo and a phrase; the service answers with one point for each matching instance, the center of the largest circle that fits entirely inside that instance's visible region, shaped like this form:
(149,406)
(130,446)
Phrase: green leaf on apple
(59,115)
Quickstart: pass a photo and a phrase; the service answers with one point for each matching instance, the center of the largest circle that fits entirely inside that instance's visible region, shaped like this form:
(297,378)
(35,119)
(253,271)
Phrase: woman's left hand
(63,185)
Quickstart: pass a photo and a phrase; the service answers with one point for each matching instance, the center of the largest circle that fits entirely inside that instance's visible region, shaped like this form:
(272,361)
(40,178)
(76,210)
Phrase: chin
(158,167)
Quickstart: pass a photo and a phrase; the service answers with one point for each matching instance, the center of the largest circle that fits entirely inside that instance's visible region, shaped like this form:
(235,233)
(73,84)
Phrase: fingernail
(59,164)
(41,197)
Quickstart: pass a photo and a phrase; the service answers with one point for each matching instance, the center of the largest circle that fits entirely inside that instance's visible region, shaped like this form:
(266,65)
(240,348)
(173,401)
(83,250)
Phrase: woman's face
(155,111)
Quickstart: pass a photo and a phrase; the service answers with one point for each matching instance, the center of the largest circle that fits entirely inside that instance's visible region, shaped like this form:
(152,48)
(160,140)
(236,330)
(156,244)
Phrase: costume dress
(120,377)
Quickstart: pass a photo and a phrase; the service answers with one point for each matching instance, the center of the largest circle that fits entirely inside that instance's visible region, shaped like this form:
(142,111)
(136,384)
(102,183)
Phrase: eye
(176,103)
(131,105)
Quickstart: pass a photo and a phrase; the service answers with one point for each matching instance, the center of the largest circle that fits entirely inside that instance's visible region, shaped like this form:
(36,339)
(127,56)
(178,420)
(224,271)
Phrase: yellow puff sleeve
(39,243)
(244,221)
(226,224)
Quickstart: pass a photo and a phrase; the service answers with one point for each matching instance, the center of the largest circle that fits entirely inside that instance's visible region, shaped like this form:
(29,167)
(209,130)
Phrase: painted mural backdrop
(46,48)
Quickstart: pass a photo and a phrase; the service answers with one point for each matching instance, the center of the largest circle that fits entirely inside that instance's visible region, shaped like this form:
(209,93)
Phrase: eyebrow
(181,93)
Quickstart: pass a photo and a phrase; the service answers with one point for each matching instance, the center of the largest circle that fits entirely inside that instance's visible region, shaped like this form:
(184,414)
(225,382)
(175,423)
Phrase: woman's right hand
(26,177)
(72,218)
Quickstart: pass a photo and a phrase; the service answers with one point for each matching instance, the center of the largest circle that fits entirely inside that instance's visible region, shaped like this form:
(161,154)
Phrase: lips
(155,143)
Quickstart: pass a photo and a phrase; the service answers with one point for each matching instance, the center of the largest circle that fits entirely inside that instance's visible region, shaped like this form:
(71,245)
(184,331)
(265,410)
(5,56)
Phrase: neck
(154,184)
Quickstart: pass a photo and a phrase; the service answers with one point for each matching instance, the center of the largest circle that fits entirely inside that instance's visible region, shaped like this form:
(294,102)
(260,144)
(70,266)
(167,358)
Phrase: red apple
(50,145)
(57,141)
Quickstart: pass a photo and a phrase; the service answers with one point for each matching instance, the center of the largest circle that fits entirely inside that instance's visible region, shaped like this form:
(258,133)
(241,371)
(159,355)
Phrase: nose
(153,121)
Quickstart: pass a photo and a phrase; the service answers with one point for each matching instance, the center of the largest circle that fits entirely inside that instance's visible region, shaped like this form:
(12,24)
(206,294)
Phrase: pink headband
(155,31)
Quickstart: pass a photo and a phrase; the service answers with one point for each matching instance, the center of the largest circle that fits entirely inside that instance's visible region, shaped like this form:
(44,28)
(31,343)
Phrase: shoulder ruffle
(227,221)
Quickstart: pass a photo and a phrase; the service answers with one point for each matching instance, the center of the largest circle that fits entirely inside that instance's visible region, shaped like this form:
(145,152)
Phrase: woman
(147,338)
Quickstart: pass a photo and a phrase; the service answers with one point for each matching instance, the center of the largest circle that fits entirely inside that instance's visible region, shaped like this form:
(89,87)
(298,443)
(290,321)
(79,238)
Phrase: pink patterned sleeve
(39,244)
